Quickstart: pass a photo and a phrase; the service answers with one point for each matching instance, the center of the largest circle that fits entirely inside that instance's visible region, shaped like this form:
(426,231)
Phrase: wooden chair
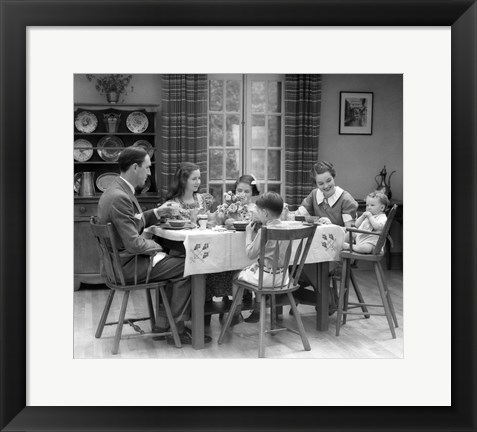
(375,257)
(110,257)
(294,262)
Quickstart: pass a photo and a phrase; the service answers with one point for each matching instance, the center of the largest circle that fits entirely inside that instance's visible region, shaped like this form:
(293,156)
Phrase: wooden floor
(359,338)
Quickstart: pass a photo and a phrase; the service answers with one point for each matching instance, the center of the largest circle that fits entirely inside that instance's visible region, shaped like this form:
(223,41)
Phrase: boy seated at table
(373,219)
(269,208)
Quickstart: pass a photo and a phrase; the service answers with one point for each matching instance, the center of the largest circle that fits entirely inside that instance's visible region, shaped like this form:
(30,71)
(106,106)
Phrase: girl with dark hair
(184,190)
(247,185)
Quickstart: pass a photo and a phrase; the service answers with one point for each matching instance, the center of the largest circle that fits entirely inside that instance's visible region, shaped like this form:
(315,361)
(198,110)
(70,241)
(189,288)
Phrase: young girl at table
(373,219)
(269,208)
(247,186)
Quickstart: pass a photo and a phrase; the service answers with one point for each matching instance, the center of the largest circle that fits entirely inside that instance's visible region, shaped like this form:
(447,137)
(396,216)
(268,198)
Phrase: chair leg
(384,298)
(170,318)
(119,328)
(299,323)
(237,299)
(388,295)
(346,296)
(358,292)
(104,315)
(150,307)
(343,288)
(263,312)
(273,312)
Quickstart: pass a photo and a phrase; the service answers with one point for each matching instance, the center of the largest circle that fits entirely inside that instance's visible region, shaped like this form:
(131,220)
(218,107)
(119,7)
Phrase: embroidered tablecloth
(210,251)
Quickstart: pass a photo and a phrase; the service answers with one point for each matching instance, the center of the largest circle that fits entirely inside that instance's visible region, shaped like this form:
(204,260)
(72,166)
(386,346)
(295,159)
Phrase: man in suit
(119,206)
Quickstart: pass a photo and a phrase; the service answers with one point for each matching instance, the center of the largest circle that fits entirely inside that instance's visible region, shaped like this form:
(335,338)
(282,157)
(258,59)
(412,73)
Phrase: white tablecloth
(209,251)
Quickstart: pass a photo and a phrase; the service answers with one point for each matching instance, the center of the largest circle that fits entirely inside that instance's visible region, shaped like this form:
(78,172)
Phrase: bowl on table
(240,225)
(300,218)
(177,223)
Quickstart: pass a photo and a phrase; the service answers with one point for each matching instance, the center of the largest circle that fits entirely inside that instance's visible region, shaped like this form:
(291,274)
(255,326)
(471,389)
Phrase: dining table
(218,249)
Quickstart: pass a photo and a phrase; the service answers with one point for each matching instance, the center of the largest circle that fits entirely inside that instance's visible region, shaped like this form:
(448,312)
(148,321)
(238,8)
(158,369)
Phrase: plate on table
(104,180)
(146,145)
(86,122)
(166,225)
(137,122)
(77,182)
(83,150)
(109,148)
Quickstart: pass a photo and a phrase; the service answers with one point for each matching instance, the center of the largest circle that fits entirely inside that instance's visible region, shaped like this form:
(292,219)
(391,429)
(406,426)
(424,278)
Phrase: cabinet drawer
(83,210)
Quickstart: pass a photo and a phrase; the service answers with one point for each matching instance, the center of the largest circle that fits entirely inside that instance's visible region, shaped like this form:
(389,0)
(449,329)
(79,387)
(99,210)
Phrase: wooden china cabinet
(100,143)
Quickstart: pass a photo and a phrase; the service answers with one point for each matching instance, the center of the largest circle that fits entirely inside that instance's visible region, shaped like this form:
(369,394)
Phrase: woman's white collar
(332,199)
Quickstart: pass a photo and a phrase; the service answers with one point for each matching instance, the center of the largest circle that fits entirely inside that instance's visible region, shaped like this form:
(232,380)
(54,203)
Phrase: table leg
(198,299)
(322,295)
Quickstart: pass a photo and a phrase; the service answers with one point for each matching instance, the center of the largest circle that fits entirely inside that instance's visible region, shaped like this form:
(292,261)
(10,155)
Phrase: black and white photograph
(356,113)
(223,216)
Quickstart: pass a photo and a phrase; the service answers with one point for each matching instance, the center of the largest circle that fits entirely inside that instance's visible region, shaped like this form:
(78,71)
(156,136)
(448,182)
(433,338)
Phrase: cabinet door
(86,253)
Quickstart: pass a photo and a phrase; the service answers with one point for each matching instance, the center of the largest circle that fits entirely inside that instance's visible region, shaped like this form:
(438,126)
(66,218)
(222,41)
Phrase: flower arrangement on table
(233,207)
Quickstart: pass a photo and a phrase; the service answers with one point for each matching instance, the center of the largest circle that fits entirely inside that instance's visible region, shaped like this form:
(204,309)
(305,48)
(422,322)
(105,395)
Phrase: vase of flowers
(112,85)
(233,207)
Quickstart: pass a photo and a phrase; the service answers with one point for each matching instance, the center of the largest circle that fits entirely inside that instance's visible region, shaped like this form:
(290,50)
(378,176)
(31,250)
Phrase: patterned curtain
(183,125)
(302,132)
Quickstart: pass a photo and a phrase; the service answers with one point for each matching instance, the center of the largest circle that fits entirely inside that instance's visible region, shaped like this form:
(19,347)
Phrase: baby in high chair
(373,219)
(269,209)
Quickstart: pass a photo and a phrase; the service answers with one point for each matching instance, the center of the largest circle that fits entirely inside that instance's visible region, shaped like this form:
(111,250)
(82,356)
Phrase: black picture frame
(461,15)
(356,113)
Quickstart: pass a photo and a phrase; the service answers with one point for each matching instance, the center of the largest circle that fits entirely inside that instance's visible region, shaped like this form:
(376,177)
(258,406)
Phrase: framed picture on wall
(356,113)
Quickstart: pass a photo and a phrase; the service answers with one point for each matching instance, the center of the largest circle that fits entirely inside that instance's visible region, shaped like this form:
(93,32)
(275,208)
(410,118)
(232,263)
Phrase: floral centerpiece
(233,207)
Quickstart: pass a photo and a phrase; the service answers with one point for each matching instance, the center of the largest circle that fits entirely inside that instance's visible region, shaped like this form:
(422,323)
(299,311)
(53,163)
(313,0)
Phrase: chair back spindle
(384,233)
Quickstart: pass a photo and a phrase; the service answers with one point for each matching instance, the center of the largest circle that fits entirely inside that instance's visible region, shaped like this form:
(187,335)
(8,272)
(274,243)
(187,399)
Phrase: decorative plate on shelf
(77,182)
(146,145)
(137,122)
(83,150)
(104,180)
(109,148)
(86,122)
(146,187)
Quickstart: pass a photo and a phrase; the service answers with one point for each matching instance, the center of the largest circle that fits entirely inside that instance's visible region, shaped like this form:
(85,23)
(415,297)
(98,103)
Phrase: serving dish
(104,180)
(146,145)
(109,148)
(240,225)
(185,226)
(137,122)
(83,150)
(86,122)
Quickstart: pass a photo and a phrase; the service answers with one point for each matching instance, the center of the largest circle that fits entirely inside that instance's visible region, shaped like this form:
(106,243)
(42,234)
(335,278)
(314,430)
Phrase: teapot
(86,184)
(383,186)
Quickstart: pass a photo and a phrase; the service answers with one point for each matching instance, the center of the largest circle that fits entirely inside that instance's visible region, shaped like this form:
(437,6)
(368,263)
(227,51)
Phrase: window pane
(216,190)
(258,164)
(274,164)
(274,96)
(232,164)
(216,130)
(274,131)
(216,163)
(232,96)
(229,186)
(258,131)
(216,95)
(274,188)
(233,130)
(258,96)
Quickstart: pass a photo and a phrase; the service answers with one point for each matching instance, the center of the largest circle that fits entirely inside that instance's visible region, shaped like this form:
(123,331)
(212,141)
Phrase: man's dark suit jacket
(119,206)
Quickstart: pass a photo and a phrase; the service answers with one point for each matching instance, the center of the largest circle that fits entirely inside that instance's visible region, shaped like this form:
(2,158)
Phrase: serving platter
(137,122)
(109,148)
(86,122)
(146,145)
(104,180)
(83,150)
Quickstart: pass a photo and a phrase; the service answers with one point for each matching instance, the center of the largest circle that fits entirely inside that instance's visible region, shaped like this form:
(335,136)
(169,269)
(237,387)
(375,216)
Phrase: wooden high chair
(284,282)
(346,274)
(110,257)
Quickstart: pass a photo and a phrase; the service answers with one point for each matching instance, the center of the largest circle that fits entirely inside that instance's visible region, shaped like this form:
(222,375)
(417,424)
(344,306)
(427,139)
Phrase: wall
(359,158)
(147,90)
